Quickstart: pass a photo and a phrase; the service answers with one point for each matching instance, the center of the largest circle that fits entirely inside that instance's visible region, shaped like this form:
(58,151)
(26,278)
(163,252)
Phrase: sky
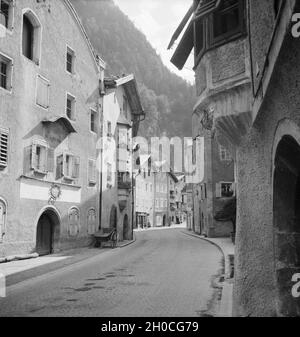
(158,20)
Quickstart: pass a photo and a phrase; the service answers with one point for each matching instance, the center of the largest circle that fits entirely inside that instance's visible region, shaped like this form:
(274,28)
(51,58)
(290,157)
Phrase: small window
(228,20)
(224,154)
(6,13)
(125,106)
(93,121)
(70,60)
(92,172)
(31,37)
(109,172)
(199,37)
(70,108)
(225,190)
(3,148)
(5,72)
(42,94)
(67,166)
(109,133)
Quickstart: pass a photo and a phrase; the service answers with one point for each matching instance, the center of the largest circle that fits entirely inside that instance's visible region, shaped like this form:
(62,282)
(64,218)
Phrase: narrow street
(164,273)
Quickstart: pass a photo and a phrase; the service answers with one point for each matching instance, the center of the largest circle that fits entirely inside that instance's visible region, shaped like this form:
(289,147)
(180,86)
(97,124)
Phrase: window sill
(50,182)
(7,91)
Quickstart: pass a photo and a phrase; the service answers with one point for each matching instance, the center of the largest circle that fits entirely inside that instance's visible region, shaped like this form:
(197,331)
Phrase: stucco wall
(255,292)
(19,113)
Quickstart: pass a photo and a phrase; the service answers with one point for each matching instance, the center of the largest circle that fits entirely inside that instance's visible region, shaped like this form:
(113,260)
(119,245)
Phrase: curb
(128,243)
(18,257)
(225,309)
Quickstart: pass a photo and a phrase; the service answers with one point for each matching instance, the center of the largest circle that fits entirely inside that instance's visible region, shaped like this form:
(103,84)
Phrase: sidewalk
(226,246)
(21,270)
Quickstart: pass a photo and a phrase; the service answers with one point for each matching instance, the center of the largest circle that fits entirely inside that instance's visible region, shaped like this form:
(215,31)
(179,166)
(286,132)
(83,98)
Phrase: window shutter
(3,148)
(2,220)
(76,166)
(33,157)
(43,160)
(50,160)
(42,97)
(218,190)
(92,171)
(59,166)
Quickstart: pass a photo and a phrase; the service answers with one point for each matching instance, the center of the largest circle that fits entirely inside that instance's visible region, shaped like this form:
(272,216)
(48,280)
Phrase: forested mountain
(167,99)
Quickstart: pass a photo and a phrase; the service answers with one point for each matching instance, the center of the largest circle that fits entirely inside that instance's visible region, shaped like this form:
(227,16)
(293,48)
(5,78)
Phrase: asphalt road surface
(165,273)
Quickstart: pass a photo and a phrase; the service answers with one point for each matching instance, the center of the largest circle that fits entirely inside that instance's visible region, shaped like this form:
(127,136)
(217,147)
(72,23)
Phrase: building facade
(251,73)
(144,187)
(122,111)
(49,102)
(218,34)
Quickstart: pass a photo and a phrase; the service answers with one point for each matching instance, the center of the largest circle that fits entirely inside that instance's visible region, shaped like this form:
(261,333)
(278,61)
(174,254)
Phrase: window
(227,20)
(225,190)
(93,121)
(70,108)
(5,72)
(70,60)
(92,172)
(125,106)
(31,37)
(109,133)
(3,148)
(224,154)
(199,37)
(74,221)
(2,219)
(42,93)
(109,172)
(6,13)
(67,166)
(39,155)
(91,221)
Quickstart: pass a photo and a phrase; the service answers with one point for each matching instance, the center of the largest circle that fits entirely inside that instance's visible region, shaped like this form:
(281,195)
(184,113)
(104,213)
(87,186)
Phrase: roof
(97,59)
(131,90)
(62,120)
(186,44)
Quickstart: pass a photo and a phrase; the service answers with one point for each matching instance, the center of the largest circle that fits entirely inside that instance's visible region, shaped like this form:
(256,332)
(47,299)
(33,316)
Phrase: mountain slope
(168,100)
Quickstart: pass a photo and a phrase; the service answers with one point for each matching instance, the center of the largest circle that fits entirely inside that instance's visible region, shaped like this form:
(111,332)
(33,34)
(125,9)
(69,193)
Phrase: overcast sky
(158,20)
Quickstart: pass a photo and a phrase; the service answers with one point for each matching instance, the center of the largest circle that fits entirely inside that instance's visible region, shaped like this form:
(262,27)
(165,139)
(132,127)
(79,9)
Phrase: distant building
(122,111)
(144,195)
(50,107)
(161,194)
(218,35)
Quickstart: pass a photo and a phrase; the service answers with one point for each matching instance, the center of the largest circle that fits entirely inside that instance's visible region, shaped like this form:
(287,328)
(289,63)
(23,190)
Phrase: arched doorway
(47,228)
(286,210)
(126,228)
(113,219)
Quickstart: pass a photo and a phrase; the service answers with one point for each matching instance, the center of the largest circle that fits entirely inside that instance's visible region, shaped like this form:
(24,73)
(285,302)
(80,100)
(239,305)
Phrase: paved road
(164,273)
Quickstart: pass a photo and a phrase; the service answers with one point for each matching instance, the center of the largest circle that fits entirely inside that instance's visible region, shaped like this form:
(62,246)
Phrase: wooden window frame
(70,52)
(92,175)
(8,76)
(231,35)
(10,14)
(93,122)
